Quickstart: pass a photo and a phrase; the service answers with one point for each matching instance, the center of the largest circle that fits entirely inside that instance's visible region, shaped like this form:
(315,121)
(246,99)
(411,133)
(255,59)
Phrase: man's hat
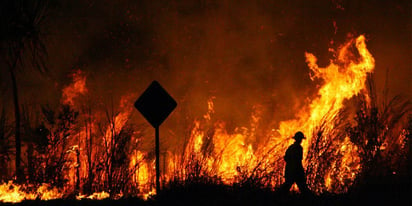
(299,135)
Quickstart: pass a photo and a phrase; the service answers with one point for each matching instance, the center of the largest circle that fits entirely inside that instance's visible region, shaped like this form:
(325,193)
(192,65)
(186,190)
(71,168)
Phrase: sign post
(157,160)
(155,104)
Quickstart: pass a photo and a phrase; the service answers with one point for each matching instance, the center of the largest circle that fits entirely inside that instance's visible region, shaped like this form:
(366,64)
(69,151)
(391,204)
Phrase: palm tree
(21,46)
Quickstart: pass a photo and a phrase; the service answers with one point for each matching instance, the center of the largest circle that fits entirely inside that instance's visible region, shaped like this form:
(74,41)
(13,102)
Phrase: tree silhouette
(21,46)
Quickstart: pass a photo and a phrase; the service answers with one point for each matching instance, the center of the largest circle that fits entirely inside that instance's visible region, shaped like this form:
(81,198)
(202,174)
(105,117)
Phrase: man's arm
(287,155)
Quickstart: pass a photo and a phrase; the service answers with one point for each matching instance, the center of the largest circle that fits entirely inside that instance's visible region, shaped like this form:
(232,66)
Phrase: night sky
(244,53)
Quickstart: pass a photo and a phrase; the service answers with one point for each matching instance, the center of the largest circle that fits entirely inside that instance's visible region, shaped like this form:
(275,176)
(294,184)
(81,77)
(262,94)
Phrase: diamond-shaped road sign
(155,104)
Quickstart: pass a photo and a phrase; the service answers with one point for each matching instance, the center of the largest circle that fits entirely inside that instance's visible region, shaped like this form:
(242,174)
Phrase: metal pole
(157,161)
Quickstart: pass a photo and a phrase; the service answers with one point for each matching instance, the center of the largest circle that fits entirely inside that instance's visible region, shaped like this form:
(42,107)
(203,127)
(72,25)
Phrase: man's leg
(286,186)
(303,187)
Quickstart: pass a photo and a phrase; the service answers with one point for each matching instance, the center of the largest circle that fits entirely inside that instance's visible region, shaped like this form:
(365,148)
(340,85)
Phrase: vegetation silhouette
(21,46)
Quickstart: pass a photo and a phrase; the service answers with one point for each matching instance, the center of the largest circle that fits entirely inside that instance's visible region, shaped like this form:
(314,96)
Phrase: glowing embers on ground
(14,193)
(95,196)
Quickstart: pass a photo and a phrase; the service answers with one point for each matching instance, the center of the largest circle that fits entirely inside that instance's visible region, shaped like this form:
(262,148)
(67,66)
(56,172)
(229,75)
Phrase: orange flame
(344,78)
(14,193)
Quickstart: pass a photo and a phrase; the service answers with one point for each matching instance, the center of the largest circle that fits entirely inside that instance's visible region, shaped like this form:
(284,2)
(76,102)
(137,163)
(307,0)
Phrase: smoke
(245,54)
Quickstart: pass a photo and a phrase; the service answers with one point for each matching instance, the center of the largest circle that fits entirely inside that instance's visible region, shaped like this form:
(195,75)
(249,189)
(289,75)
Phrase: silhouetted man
(294,170)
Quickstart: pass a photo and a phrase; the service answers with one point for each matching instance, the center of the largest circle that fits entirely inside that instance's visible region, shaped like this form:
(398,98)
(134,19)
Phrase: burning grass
(80,153)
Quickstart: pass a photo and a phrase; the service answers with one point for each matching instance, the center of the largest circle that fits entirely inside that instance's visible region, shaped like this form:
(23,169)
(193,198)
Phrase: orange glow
(142,174)
(75,89)
(47,193)
(95,196)
(228,154)
(11,193)
(14,193)
(342,79)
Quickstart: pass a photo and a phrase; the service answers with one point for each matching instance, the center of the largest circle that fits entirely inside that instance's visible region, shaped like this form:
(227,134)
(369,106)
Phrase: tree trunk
(17,120)
(3,146)
(30,162)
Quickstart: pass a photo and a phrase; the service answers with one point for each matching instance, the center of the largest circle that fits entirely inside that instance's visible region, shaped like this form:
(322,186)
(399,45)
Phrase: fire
(103,150)
(95,196)
(342,79)
(232,150)
(229,151)
(47,193)
(11,193)
(142,174)
(14,193)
